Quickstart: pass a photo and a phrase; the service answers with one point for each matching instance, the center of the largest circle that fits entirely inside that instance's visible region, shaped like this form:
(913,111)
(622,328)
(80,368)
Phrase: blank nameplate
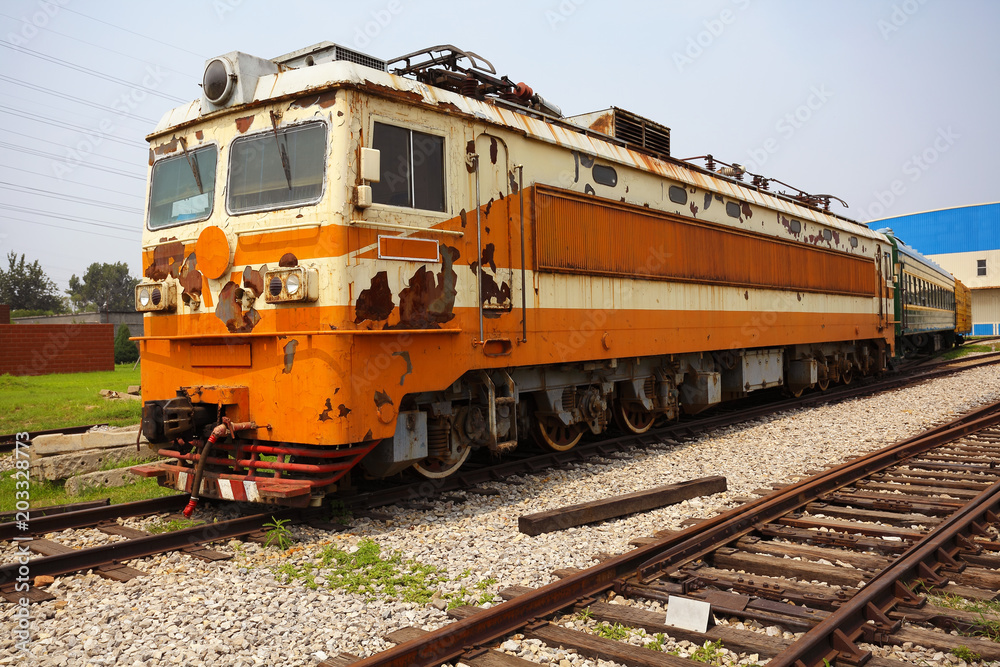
(689,614)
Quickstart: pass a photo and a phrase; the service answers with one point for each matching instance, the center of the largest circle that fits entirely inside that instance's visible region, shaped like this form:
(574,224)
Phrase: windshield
(277,169)
(182,188)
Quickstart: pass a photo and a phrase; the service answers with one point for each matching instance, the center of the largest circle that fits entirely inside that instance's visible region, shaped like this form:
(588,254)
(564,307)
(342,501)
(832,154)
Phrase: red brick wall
(41,349)
(4,314)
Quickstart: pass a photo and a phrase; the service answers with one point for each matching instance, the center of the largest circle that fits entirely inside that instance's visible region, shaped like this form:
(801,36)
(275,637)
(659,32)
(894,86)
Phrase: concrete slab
(117,477)
(64,466)
(52,445)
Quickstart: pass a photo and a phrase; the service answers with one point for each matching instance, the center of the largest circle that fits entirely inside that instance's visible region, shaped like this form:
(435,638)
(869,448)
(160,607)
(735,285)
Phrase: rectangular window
(182,188)
(277,169)
(980,267)
(411,168)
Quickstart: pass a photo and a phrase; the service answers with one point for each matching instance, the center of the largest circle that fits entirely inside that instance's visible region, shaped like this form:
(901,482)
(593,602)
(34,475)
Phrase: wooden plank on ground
(602,648)
(609,508)
(942,641)
(339,660)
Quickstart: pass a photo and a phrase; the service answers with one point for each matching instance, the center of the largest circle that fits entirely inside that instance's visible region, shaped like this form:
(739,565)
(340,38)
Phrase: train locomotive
(357,266)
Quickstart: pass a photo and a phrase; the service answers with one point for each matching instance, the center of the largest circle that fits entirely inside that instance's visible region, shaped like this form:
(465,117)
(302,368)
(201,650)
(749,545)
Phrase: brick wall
(4,314)
(40,349)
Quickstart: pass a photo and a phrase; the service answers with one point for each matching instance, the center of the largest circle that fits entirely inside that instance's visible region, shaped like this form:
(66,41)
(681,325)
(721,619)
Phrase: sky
(890,105)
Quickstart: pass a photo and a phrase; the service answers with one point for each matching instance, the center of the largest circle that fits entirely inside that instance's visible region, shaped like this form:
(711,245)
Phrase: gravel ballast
(260,608)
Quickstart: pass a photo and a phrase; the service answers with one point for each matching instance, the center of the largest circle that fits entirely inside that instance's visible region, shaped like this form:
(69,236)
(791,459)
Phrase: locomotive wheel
(632,420)
(551,433)
(437,468)
(823,384)
(847,376)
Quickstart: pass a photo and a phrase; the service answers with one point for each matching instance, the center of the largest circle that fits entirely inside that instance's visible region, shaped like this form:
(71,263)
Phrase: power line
(63,180)
(69,126)
(72,229)
(98,46)
(173,46)
(102,157)
(38,153)
(78,100)
(88,71)
(56,143)
(82,200)
(71,218)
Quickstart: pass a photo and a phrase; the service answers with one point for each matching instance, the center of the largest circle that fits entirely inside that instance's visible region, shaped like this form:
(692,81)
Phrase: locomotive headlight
(219,81)
(290,284)
(151,297)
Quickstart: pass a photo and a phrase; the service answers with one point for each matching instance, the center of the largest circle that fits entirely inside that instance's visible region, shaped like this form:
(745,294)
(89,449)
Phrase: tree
(126,351)
(106,287)
(25,286)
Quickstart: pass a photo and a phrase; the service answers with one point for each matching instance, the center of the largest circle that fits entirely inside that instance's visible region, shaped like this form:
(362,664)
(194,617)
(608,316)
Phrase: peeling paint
(167,260)
(375,303)
(243,124)
(513,183)
(488,252)
(694,209)
(324,100)
(381,398)
(190,279)
(288,260)
(463,215)
(493,150)
(409,365)
(747,211)
(290,355)
(589,190)
(708,200)
(426,302)
(325,415)
(230,310)
(343,411)
(254,279)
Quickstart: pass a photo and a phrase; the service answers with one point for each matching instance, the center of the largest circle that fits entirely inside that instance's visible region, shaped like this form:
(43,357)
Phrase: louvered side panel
(579,234)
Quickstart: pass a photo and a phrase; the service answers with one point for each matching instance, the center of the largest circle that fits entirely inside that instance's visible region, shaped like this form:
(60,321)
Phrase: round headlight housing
(144,297)
(292,284)
(157,296)
(218,81)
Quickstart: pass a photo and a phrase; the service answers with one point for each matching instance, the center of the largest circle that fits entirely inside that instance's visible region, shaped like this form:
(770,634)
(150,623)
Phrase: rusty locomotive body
(353,265)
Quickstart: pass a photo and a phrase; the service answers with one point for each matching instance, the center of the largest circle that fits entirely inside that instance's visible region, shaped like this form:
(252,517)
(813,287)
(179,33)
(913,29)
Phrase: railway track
(851,557)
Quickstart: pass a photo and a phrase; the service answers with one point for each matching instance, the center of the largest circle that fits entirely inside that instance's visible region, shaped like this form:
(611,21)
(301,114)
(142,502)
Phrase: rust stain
(288,260)
(325,415)
(191,279)
(230,310)
(493,150)
(368,436)
(381,398)
(470,149)
(243,124)
(426,302)
(513,183)
(343,410)
(167,260)
(152,157)
(463,215)
(409,365)
(375,303)
(694,209)
(747,211)
(199,135)
(602,124)
(290,355)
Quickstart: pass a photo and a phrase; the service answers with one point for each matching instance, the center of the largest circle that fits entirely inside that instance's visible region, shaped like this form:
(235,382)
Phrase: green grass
(966,350)
(44,493)
(43,402)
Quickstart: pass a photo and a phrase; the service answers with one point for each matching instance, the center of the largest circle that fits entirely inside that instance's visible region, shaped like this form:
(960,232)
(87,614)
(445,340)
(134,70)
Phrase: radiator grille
(641,132)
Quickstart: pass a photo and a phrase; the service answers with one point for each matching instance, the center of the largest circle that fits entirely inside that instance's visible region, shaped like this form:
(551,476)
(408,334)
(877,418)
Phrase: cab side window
(411,168)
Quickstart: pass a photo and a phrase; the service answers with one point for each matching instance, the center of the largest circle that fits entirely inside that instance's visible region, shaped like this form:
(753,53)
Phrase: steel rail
(826,641)
(140,547)
(49,510)
(90,516)
(451,641)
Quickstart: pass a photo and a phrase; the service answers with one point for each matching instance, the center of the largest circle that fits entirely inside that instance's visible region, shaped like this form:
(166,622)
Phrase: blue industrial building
(965,241)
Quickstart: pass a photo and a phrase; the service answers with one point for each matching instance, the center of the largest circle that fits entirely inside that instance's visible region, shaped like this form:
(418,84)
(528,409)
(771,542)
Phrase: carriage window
(980,267)
(678,195)
(412,168)
(605,175)
(182,188)
(277,169)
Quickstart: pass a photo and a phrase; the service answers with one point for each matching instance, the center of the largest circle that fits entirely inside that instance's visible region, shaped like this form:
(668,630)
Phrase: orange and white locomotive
(349,262)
